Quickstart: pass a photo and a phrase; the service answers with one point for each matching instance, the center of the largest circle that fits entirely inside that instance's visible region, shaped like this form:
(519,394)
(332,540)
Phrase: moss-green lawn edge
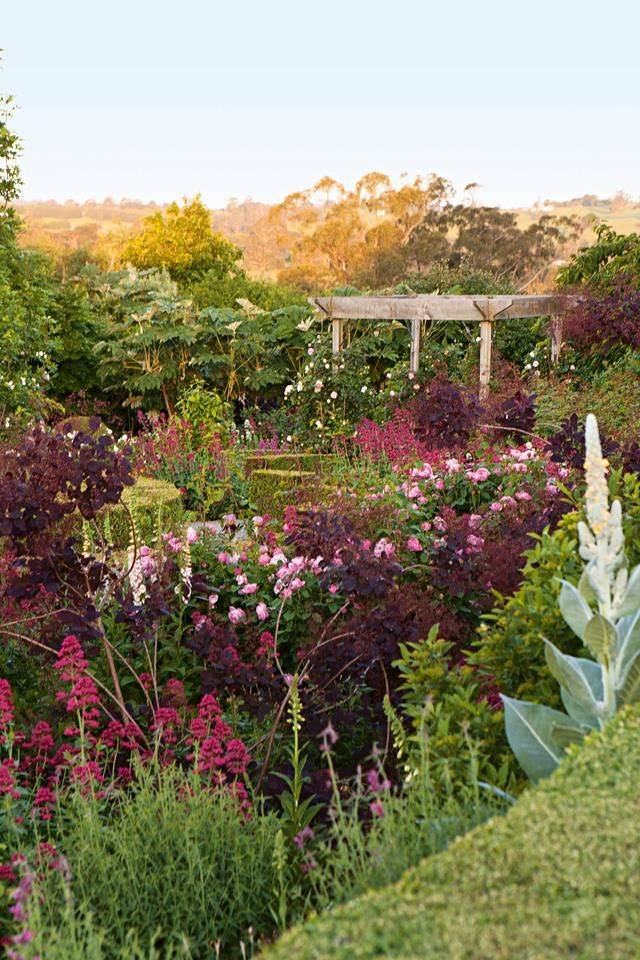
(558,877)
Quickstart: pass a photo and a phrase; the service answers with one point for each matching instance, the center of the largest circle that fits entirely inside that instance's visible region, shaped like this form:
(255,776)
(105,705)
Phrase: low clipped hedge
(270,491)
(558,877)
(156,504)
(313,462)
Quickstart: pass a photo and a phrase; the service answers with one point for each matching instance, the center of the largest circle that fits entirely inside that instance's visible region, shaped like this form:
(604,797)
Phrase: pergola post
(337,333)
(486,331)
(556,338)
(414,360)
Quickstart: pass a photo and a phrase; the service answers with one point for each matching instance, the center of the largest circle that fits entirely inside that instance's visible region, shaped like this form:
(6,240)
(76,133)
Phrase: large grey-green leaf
(585,588)
(631,601)
(529,729)
(576,710)
(628,642)
(578,676)
(566,734)
(574,608)
(600,637)
(629,690)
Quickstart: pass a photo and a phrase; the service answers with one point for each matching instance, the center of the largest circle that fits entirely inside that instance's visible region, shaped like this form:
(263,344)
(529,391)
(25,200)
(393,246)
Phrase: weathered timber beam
(435,307)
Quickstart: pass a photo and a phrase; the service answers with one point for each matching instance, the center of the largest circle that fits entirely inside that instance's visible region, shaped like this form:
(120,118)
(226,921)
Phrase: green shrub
(613,395)
(176,864)
(464,732)
(206,412)
(155,505)
(270,491)
(558,877)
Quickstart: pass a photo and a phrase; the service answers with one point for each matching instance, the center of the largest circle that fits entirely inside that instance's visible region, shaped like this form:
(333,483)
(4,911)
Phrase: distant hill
(103,226)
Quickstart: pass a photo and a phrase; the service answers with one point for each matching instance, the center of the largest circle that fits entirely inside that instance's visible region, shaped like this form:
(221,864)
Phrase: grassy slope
(558,877)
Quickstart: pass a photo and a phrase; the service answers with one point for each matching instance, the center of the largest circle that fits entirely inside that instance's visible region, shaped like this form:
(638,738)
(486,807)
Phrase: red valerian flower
(7,779)
(6,707)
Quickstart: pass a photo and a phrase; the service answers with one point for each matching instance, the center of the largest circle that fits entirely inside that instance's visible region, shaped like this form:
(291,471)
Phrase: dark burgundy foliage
(567,444)
(350,671)
(603,321)
(445,414)
(471,574)
(47,485)
(517,413)
(631,458)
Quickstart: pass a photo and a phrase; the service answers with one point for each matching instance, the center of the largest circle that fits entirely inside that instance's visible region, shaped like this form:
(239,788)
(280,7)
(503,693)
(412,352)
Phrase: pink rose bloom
(496,507)
(479,475)
(523,495)
(262,611)
(236,615)
(452,465)
(213,599)
(439,484)
(384,548)
(414,545)
(334,588)
(192,535)
(257,521)
(223,557)
(249,589)
(426,526)
(264,559)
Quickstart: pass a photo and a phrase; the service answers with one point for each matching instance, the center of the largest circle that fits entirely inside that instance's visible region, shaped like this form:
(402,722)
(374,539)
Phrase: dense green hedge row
(315,462)
(270,491)
(558,877)
(155,504)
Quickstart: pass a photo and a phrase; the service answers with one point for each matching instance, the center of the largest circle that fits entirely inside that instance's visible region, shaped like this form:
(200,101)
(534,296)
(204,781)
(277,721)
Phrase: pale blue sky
(156,100)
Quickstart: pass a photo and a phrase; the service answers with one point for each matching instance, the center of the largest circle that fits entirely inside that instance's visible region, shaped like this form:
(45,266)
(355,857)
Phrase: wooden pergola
(421,309)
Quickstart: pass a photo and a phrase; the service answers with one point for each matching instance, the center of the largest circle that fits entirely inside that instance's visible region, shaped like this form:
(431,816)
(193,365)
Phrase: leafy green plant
(614,256)
(205,411)
(177,865)
(591,691)
(444,701)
